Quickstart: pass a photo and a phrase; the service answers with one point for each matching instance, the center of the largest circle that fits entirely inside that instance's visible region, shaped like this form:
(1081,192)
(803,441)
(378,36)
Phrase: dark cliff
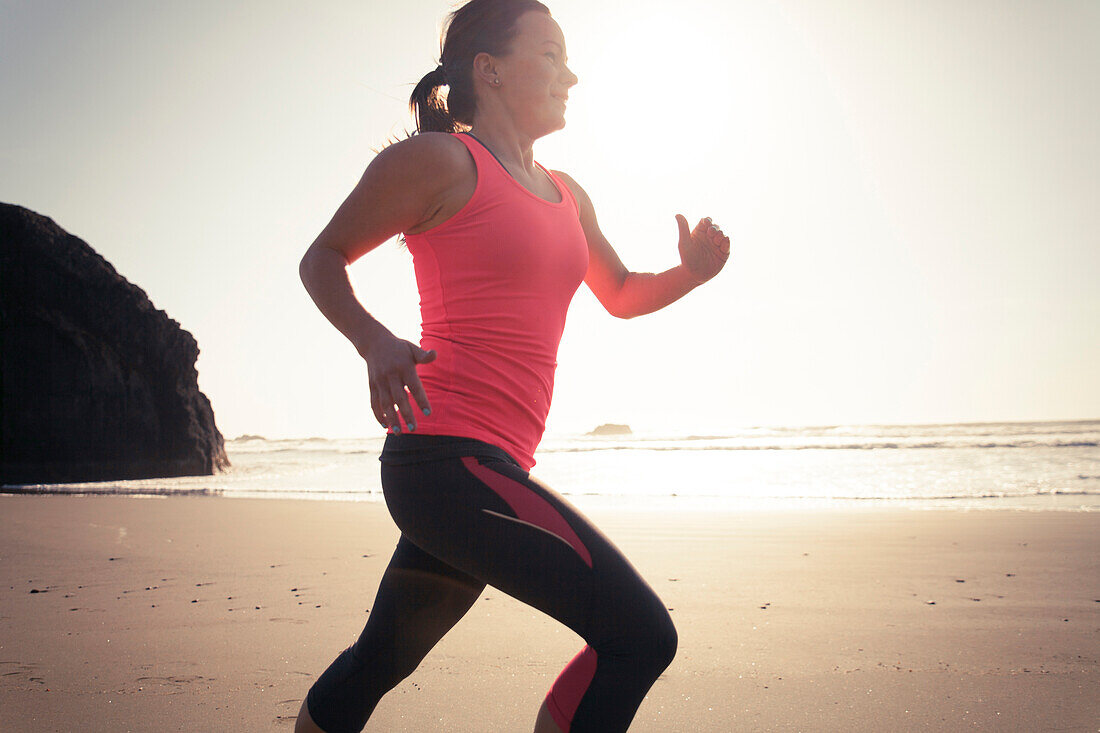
(97,383)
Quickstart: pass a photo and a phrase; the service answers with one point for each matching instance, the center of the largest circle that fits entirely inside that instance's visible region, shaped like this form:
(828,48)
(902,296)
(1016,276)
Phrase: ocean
(1052,466)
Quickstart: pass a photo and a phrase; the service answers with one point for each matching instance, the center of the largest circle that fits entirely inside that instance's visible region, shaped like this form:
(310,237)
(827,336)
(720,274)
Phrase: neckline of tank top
(519,185)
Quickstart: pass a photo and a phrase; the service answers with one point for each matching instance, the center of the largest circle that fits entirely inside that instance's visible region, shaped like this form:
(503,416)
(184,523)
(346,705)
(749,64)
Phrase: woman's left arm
(703,252)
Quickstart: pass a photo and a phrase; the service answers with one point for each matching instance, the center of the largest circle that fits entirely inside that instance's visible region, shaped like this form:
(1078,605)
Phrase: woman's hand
(704,250)
(391,367)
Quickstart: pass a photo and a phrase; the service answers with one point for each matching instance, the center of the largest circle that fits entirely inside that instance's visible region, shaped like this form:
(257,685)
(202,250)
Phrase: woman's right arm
(404,187)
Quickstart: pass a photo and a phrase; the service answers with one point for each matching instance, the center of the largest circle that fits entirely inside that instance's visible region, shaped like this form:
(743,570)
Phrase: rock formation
(611,429)
(97,383)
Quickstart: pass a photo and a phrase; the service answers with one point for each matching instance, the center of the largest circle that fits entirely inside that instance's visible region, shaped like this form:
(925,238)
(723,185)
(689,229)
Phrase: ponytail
(429,105)
(479,25)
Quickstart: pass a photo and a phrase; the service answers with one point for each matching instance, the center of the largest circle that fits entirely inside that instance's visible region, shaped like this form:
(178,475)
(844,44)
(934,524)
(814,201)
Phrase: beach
(213,613)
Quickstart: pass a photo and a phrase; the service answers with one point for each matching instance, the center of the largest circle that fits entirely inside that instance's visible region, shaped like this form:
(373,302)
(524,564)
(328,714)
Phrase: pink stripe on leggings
(568,689)
(528,506)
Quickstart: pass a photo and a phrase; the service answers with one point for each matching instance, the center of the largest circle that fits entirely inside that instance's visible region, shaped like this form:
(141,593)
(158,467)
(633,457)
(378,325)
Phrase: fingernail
(427,411)
(412,426)
(396,429)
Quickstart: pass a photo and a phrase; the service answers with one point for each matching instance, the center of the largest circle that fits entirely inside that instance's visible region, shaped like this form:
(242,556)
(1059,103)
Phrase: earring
(496,82)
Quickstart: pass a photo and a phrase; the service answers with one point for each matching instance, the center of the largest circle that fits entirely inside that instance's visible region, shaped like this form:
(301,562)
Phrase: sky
(910,188)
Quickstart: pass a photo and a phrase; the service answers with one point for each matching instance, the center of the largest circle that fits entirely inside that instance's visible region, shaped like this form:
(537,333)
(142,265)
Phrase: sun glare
(671,101)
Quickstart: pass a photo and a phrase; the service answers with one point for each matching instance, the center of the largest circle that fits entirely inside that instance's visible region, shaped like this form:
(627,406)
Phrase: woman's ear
(486,69)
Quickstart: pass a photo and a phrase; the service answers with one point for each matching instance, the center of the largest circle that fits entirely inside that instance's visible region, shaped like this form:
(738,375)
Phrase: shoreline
(1053,501)
(219,615)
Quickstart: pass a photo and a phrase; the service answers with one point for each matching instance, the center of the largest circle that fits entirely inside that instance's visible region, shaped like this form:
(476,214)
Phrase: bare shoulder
(407,187)
(431,155)
(432,171)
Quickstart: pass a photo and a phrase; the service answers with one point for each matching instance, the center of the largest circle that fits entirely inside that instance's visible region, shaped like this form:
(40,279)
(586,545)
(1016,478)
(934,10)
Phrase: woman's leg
(545,722)
(489,519)
(419,599)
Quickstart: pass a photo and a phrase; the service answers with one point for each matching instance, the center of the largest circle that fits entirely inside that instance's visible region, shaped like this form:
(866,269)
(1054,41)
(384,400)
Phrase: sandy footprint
(288,712)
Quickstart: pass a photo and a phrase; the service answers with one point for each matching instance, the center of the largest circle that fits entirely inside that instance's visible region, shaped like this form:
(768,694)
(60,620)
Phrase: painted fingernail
(427,411)
(412,426)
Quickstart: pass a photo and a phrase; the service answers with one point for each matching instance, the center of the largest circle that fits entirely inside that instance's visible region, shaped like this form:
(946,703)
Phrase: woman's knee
(649,641)
(664,640)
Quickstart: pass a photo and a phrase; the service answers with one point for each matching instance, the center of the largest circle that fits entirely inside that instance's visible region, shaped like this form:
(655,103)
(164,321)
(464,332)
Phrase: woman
(499,245)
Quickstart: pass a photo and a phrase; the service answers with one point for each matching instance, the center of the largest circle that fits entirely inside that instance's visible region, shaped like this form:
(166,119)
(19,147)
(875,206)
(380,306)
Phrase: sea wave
(107,490)
(258,444)
(693,443)
(1064,434)
(713,444)
(321,493)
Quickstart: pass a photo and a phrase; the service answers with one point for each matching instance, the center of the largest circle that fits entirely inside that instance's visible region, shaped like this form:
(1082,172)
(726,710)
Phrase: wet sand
(190,613)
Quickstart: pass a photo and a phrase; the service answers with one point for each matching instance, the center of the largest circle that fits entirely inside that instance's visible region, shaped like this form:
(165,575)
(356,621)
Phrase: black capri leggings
(469,515)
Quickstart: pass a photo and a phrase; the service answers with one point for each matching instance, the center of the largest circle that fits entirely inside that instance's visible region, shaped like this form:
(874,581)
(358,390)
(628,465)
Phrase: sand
(215,614)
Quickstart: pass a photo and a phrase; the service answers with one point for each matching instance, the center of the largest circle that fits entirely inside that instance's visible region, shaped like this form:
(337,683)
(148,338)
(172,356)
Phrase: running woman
(499,245)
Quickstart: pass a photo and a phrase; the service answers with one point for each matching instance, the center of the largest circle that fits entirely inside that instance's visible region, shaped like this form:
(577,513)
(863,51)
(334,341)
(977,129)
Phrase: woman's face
(535,80)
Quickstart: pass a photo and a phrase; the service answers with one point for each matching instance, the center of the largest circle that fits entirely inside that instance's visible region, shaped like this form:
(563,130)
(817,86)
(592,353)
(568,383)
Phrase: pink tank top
(495,283)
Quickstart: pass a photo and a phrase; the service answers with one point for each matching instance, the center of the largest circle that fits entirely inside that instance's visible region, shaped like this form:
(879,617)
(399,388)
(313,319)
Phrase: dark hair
(478,26)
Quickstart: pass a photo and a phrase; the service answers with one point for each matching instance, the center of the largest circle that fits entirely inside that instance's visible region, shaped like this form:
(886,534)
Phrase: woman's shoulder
(435,151)
(433,168)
